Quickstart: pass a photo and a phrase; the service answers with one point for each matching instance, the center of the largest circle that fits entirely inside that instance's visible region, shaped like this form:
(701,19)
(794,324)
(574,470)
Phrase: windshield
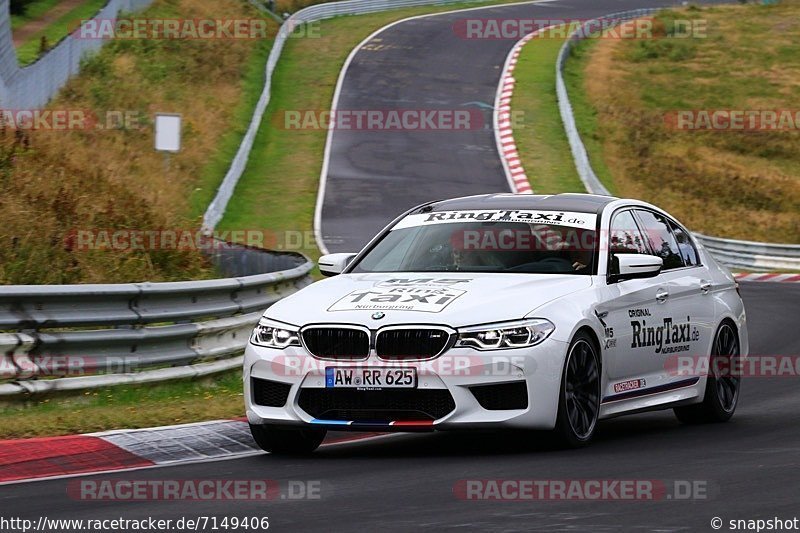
(493,241)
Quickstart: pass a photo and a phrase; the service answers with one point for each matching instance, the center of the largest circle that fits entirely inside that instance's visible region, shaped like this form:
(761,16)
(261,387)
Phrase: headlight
(274,334)
(507,335)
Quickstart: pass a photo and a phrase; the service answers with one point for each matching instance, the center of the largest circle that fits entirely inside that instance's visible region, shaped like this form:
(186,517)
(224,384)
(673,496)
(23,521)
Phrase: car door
(630,311)
(688,321)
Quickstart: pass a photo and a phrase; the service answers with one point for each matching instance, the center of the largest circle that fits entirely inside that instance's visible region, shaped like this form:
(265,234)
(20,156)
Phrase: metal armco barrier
(749,255)
(151,331)
(142,332)
(753,256)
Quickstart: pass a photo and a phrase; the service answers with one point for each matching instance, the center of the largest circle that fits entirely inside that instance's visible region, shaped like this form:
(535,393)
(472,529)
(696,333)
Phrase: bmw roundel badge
(378,315)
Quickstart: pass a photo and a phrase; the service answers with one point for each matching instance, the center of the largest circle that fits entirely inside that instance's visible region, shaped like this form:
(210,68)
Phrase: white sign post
(168,132)
(168,136)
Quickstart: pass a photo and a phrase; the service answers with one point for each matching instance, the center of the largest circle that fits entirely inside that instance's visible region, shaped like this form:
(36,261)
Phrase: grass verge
(538,131)
(103,179)
(124,407)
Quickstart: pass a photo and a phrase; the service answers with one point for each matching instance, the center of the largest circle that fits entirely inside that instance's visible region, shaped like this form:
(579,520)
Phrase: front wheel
(579,402)
(287,440)
(722,385)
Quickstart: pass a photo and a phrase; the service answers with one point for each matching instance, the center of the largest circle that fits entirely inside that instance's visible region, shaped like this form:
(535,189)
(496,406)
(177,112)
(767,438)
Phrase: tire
(579,399)
(722,391)
(287,440)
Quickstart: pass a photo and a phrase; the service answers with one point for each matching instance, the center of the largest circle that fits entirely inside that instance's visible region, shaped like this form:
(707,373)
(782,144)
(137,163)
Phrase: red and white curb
(773,277)
(503,124)
(131,449)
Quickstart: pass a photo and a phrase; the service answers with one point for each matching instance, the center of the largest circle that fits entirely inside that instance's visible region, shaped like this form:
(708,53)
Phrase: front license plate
(370,378)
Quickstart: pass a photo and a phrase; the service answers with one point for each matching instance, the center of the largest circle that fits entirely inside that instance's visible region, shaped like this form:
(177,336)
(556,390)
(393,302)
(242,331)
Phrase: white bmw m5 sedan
(501,311)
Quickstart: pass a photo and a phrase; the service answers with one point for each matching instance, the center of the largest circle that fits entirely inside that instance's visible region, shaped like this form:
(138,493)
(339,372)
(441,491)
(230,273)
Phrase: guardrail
(753,256)
(150,331)
(749,255)
(142,332)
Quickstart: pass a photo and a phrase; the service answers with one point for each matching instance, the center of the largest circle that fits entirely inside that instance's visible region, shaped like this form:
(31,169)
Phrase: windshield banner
(552,218)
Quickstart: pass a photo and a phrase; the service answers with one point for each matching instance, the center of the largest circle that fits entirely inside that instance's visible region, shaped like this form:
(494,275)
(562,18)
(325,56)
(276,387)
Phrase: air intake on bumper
(269,393)
(503,396)
(384,405)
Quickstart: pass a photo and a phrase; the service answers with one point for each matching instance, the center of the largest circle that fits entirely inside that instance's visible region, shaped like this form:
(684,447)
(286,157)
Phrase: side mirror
(634,266)
(333,264)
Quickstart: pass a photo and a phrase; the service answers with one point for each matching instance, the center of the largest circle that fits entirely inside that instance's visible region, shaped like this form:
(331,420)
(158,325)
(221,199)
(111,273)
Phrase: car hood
(453,299)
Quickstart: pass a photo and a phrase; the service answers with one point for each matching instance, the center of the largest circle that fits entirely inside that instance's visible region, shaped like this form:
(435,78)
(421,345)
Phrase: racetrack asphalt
(749,465)
(404,482)
(425,64)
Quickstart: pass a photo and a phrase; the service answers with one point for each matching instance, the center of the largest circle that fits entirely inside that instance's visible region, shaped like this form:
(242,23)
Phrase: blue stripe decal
(382,423)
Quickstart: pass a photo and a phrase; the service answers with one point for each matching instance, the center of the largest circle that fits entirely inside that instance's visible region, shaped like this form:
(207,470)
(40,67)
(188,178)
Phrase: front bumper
(460,376)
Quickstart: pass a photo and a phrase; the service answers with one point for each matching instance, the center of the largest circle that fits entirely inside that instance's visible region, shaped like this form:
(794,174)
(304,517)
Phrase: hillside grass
(743,185)
(292,6)
(53,182)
